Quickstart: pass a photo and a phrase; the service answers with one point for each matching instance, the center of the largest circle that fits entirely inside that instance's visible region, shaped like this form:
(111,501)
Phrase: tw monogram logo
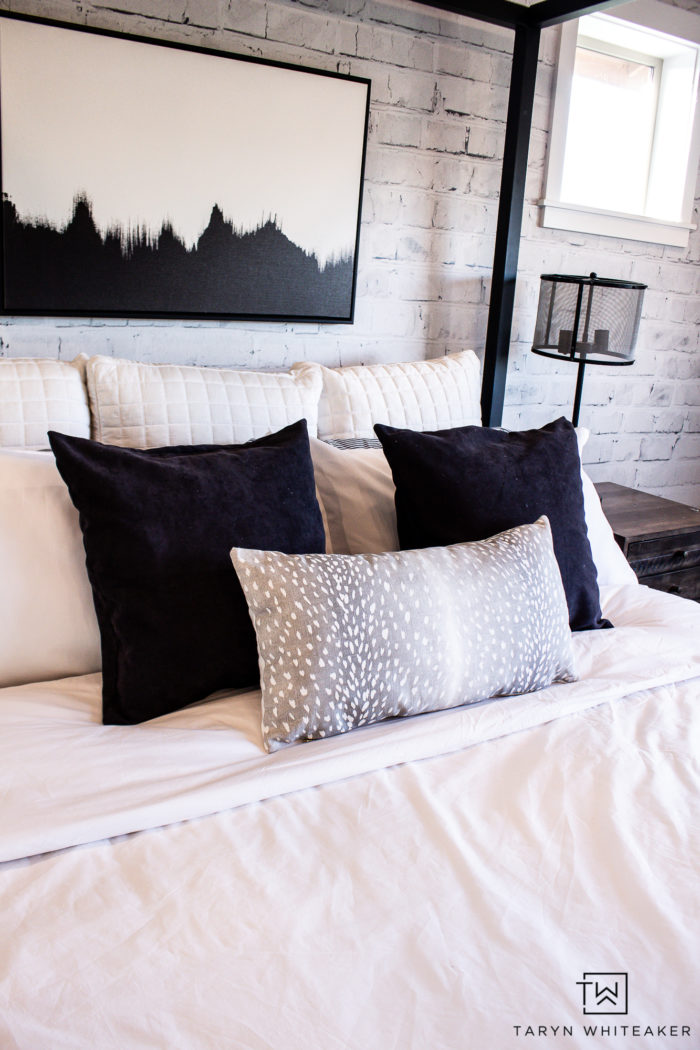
(604,993)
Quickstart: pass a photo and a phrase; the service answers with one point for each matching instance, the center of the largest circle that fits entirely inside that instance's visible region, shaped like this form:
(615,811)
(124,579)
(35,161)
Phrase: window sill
(580,219)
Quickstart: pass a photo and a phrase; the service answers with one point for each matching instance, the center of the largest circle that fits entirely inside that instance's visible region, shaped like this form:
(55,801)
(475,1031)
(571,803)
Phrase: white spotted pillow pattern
(345,640)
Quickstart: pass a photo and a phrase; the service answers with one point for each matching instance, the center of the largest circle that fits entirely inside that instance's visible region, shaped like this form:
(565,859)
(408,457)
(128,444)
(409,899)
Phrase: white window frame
(559,214)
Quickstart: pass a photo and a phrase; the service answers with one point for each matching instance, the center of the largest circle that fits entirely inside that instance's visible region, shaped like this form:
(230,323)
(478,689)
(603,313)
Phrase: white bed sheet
(433,905)
(66,779)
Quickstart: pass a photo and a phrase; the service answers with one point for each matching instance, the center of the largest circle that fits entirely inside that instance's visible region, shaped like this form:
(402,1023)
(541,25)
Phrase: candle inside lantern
(564,344)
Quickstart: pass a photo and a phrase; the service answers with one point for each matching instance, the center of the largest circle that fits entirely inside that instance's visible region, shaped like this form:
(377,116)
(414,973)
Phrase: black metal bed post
(527,22)
(510,214)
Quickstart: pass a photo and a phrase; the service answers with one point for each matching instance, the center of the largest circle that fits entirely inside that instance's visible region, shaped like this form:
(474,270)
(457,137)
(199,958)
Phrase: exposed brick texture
(439,97)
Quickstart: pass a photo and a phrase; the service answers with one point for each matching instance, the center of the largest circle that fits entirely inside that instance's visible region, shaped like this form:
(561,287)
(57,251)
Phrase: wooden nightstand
(659,538)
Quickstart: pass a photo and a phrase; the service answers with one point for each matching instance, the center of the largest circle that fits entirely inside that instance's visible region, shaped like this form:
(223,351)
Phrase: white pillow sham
(48,627)
(139,405)
(356,491)
(613,568)
(419,395)
(38,395)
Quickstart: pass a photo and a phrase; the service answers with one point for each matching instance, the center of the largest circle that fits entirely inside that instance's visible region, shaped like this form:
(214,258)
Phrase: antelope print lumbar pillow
(345,640)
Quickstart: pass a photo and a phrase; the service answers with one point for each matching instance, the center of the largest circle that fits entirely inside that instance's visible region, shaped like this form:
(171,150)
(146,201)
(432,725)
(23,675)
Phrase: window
(605,82)
(623,153)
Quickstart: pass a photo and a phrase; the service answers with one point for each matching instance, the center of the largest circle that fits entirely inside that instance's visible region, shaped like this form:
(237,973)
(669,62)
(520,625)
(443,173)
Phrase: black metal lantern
(589,320)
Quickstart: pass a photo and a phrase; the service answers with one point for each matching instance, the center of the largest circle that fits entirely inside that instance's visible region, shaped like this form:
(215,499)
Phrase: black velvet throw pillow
(473,482)
(158,525)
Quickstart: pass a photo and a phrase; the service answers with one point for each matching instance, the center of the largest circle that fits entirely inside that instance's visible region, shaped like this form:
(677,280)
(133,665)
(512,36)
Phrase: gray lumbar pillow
(344,640)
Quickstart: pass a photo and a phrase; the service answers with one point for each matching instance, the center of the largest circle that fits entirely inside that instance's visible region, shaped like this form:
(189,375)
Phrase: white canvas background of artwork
(153,134)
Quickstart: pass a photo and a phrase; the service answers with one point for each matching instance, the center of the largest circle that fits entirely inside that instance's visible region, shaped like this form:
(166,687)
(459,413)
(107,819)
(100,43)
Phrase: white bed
(441,881)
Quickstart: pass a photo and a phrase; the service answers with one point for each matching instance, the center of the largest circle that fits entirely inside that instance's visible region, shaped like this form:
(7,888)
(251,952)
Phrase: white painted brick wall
(439,97)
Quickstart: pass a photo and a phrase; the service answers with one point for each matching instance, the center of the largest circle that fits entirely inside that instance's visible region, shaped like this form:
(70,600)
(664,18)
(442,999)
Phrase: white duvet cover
(449,903)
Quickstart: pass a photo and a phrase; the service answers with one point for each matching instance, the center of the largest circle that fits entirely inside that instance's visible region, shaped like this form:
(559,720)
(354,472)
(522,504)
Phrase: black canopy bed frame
(527,24)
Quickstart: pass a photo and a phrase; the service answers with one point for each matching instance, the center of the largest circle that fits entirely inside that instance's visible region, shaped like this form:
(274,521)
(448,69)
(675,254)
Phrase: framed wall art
(148,179)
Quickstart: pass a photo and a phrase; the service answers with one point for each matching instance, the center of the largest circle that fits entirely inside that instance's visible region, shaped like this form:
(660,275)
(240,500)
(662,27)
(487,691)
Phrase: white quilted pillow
(418,395)
(37,395)
(147,406)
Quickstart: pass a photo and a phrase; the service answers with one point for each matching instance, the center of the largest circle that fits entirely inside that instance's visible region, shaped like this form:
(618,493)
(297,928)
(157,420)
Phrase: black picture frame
(153,179)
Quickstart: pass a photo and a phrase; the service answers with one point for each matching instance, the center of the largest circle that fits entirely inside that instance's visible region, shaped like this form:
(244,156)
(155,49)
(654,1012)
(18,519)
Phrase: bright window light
(606,164)
(625,140)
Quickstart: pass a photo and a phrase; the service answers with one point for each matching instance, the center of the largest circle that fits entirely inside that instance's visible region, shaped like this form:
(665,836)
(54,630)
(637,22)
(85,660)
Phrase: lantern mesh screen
(608,320)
